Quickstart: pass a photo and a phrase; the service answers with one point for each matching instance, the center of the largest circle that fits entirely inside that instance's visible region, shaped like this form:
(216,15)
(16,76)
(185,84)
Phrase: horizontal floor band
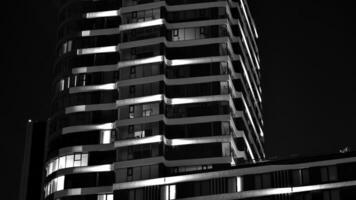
(161,40)
(153,79)
(150,119)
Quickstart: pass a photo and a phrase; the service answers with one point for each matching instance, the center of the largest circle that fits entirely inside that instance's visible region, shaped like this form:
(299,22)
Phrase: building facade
(148,90)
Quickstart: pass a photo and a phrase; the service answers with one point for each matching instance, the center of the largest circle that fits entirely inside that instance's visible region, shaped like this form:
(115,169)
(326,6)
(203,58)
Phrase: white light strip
(109,13)
(99,32)
(247,46)
(144,61)
(82,128)
(252,122)
(248,51)
(173,101)
(247,78)
(245,13)
(99,168)
(173,142)
(155,22)
(139,100)
(90,107)
(108,49)
(90,88)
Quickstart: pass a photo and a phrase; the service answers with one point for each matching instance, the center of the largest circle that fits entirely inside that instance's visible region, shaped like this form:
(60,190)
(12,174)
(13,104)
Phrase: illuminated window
(172,192)
(61,85)
(139,134)
(50,168)
(62,162)
(54,185)
(239,184)
(223,68)
(69,46)
(64,48)
(69,161)
(55,165)
(84,160)
(68,82)
(77,160)
(225,128)
(105,137)
(60,183)
(226,149)
(105,197)
(224,87)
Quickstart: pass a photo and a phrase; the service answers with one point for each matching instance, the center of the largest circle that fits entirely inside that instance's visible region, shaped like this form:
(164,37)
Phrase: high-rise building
(161,100)
(148,90)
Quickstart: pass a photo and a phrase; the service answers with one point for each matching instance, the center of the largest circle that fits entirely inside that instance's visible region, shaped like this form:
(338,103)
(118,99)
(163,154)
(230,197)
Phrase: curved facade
(147,90)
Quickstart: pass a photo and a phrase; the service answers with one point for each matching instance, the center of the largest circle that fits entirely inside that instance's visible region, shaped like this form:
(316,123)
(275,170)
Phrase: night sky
(307,52)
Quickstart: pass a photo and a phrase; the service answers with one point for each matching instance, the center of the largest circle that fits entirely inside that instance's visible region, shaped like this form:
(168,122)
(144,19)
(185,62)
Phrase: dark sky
(307,53)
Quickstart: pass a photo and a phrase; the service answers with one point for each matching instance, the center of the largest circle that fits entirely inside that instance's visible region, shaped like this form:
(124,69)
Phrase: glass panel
(50,169)
(77,163)
(172,192)
(77,156)
(139,134)
(226,149)
(69,161)
(110,197)
(60,183)
(239,184)
(84,160)
(62,162)
(105,136)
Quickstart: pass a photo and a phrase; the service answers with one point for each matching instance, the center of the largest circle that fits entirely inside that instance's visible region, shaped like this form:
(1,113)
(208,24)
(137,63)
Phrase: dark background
(307,54)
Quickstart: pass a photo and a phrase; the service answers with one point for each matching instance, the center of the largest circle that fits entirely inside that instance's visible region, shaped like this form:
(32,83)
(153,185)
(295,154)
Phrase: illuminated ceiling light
(108,49)
(156,22)
(110,13)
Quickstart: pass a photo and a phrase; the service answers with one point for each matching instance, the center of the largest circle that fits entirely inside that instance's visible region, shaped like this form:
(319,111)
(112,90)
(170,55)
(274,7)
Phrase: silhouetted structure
(33,162)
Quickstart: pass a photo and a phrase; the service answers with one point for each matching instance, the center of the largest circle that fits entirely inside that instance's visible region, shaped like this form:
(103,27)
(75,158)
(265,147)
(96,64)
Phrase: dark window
(175,32)
(132,71)
(129,171)
(132,90)
(131,129)
(134,15)
(202,30)
(148,132)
